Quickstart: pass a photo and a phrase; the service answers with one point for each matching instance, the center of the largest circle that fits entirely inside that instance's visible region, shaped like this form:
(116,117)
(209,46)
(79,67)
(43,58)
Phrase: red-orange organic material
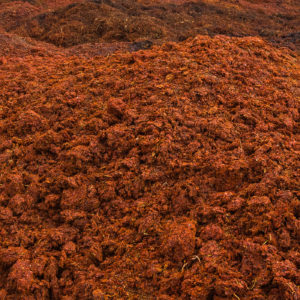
(168,173)
(149,149)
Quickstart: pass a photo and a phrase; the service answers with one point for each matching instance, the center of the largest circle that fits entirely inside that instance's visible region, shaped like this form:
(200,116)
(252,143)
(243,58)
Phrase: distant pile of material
(130,20)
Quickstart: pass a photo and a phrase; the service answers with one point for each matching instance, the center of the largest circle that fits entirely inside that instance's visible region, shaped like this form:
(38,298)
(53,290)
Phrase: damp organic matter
(136,166)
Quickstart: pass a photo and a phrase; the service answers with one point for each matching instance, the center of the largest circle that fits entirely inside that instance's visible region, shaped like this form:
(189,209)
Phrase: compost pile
(168,173)
(129,20)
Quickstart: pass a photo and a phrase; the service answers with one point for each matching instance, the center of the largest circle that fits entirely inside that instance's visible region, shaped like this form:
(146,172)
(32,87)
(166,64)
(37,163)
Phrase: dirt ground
(141,160)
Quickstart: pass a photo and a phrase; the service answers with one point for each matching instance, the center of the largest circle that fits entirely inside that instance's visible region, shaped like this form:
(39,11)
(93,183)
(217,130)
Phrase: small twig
(196,257)
(182,269)
(293,291)
(236,296)
(241,145)
(253,285)
(268,240)
(193,258)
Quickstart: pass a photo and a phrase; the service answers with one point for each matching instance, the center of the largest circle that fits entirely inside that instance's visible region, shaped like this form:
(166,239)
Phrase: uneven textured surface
(168,173)
(68,24)
(141,160)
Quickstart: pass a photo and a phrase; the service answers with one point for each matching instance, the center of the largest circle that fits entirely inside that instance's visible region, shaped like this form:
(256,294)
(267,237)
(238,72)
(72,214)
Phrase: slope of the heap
(164,174)
(129,21)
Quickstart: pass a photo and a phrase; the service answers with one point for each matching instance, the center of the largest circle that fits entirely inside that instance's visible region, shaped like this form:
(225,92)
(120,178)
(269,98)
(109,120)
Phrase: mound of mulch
(164,174)
(15,13)
(128,21)
(12,45)
(88,22)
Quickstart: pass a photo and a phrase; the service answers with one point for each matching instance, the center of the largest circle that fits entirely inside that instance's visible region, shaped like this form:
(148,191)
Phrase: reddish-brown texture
(105,21)
(13,13)
(168,173)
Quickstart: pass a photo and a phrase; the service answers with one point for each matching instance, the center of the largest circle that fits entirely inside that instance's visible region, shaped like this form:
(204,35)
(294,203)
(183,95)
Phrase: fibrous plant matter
(13,46)
(168,173)
(129,20)
(12,14)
